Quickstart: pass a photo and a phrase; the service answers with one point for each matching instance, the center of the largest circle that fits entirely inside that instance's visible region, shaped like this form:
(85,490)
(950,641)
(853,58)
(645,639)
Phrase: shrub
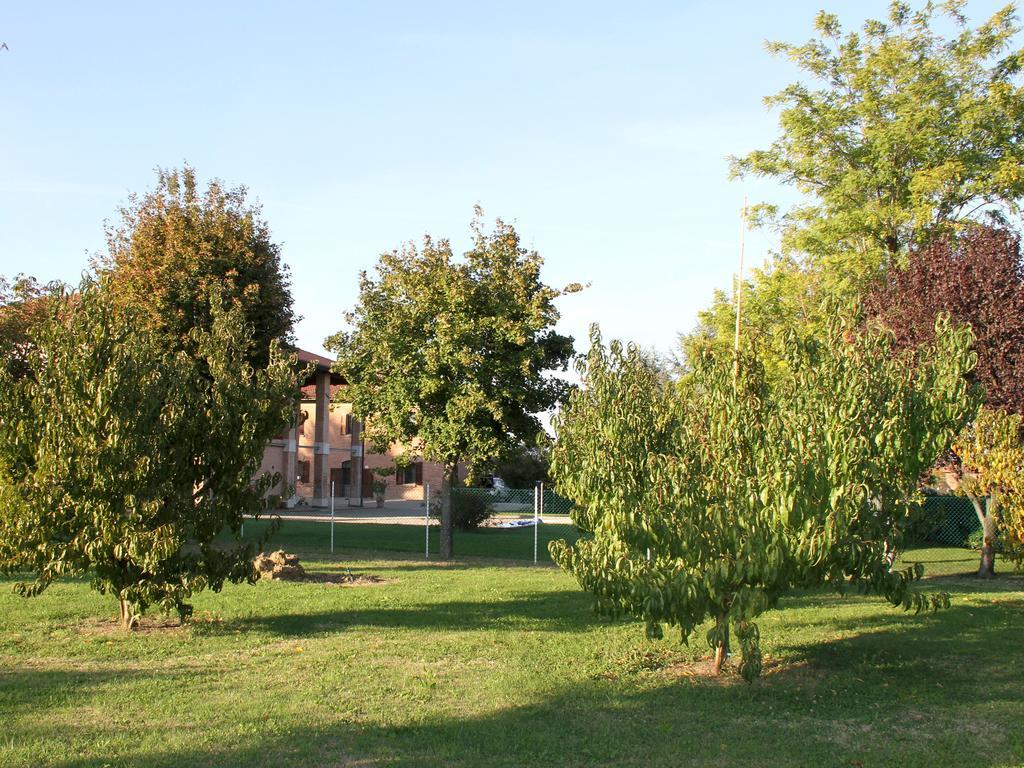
(976,539)
(469,509)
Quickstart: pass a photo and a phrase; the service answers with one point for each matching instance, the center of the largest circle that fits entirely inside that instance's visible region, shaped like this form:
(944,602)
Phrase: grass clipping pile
(281,566)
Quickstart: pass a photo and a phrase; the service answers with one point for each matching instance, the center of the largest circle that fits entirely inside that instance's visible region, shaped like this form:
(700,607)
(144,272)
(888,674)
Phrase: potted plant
(380,484)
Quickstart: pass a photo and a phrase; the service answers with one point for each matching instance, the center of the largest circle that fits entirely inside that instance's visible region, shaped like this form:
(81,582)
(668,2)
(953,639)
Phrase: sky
(600,130)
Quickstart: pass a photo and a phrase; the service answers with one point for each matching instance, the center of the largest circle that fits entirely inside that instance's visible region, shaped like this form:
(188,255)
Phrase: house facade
(325,449)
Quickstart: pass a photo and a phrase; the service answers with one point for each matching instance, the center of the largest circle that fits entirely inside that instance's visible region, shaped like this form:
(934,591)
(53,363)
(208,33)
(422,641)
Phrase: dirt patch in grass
(703,669)
(670,663)
(795,673)
(147,625)
(345,579)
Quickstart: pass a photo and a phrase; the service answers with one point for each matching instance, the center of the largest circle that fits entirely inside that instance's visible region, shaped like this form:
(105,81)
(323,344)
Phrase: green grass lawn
(496,664)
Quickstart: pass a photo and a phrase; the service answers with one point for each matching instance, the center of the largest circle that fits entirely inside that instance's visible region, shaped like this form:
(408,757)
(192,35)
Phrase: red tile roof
(309,391)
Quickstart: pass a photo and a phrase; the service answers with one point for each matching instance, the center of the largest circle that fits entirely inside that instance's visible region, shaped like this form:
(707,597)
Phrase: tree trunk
(987,567)
(987,518)
(723,646)
(447,483)
(127,619)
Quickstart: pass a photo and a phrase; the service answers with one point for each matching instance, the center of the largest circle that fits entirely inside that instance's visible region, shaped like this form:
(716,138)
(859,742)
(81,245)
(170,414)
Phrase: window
(303,471)
(346,424)
(303,416)
(410,474)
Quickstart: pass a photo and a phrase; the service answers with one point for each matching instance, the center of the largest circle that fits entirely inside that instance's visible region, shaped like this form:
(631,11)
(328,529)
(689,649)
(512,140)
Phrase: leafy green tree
(125,459)
(449,357)
(710,498)
(523,465)
(898,137)
(781,299)
(176,243)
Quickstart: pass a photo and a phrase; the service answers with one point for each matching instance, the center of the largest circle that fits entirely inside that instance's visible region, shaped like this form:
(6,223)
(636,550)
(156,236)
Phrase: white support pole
(739,294)
(426,521)
(332,517)
(538,503)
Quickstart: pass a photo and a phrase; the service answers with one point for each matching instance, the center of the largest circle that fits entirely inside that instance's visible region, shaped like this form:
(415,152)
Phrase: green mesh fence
(517,501)
(948,520)
(505,519)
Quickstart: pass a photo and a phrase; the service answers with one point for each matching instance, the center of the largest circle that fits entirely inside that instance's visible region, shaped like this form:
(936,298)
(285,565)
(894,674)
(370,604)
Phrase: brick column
(355,493)
(322,442)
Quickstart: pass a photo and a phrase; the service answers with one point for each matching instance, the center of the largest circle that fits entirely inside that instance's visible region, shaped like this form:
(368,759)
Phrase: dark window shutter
(419,473)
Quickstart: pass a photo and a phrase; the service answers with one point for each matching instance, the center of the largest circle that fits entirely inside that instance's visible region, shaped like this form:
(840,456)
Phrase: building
(324,448)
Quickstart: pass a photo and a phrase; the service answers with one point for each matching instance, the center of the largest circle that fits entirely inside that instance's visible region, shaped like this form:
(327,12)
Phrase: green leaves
(709,499)
(895,138)
(450,355)
(128,457)
(177,243)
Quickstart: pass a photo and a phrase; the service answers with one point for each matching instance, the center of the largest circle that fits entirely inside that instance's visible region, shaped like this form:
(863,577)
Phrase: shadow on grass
(908,695)
(542,611)
(370,561)
(39,690)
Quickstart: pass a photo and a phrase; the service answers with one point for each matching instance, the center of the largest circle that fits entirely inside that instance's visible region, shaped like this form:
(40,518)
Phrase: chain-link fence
(508,524)
(515,524)
(948,521)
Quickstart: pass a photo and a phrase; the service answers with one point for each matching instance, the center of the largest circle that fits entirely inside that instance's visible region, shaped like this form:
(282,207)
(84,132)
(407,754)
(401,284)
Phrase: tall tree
(451,357)
(125,459)
(711,498)
(899,136)
(177,242)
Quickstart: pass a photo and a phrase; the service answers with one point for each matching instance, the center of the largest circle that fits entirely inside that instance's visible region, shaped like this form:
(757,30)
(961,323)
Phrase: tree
(901,137)
(176,243)
(522,465)
(978,279)
(23,305)
(991,465)
(127,459)
(909,135)
(450,357)
(711,498)
(781,300)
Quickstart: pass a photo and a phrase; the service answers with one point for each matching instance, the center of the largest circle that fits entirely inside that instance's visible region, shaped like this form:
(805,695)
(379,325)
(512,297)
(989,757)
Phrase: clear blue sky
(599,129)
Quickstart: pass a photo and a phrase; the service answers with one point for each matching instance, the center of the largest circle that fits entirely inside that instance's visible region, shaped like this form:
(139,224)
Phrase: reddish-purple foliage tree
(978,279)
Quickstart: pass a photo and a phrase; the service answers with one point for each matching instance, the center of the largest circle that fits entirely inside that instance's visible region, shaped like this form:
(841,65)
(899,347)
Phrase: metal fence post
(537,505)
(332,517)
(426,522)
